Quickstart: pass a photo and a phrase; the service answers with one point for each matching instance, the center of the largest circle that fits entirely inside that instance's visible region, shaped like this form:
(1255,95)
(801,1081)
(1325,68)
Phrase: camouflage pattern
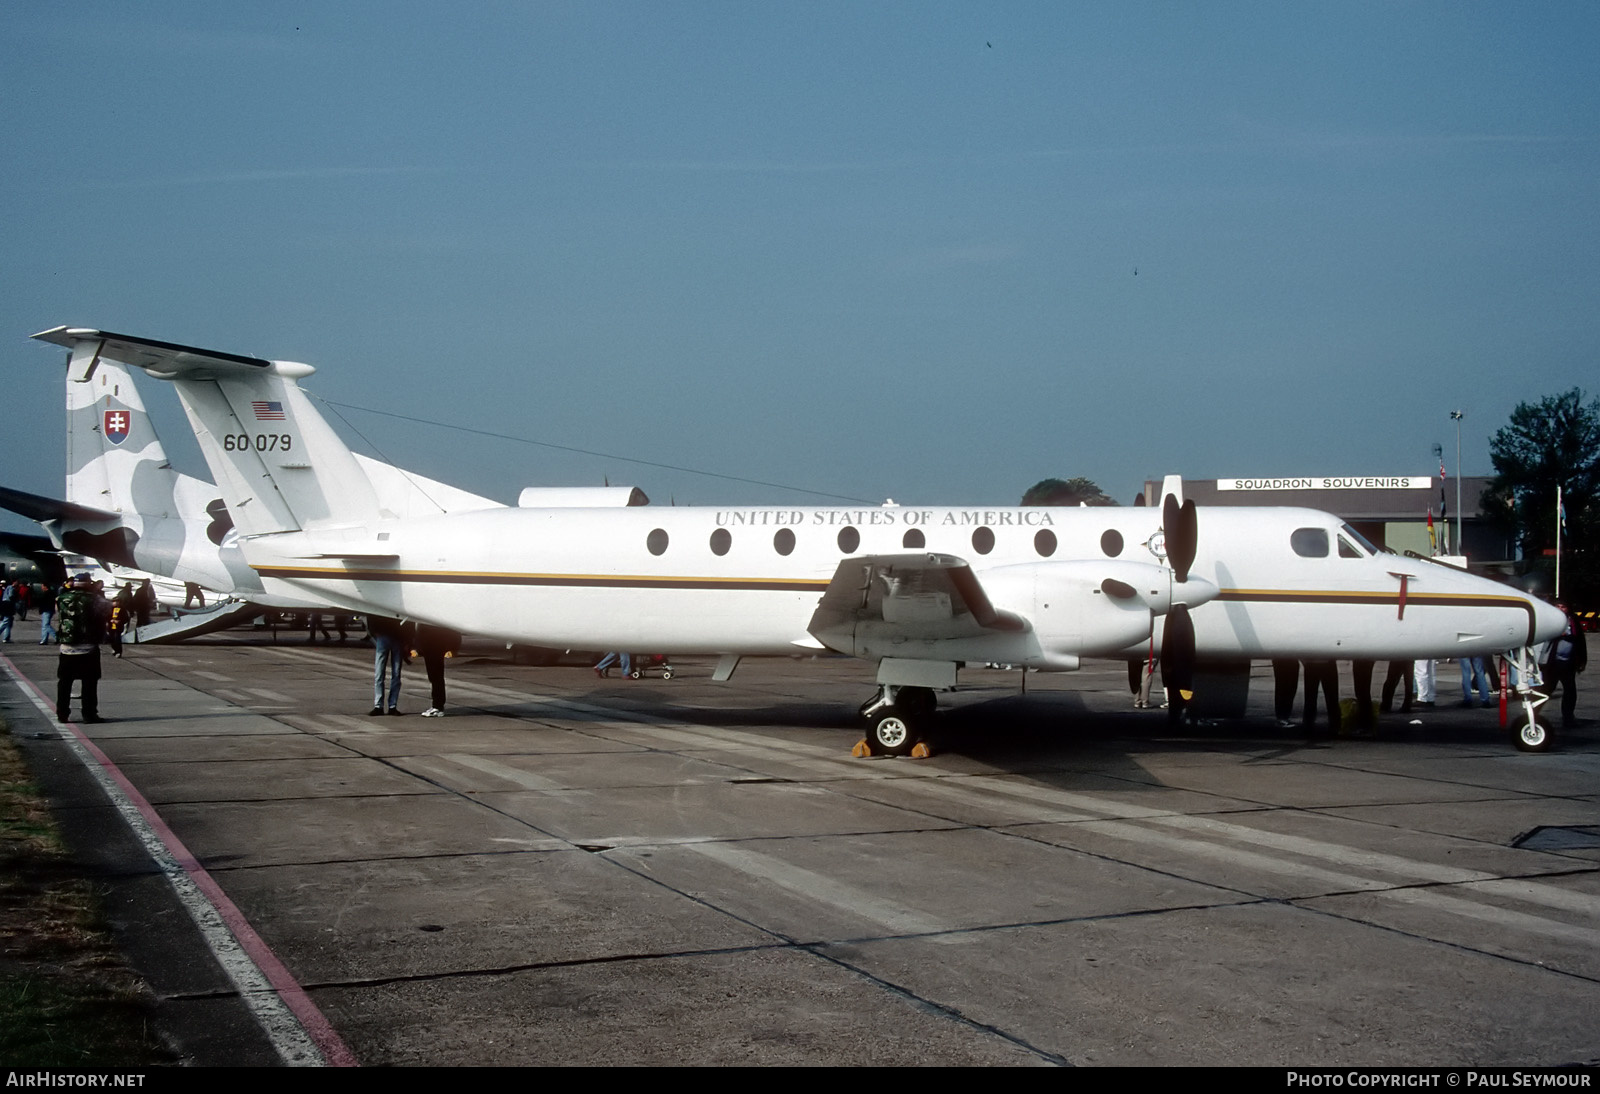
(167,523)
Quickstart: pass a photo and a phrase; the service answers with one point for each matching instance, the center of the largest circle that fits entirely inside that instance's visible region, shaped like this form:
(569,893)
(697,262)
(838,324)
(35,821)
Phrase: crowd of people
(1415,683)
(80,619)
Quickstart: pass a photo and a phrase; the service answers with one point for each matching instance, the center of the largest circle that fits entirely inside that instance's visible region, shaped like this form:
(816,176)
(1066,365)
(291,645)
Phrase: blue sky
(929,251)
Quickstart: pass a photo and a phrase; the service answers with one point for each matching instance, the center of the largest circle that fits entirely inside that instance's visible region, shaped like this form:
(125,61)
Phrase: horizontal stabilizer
(228,613)
(167,358)
(40,508)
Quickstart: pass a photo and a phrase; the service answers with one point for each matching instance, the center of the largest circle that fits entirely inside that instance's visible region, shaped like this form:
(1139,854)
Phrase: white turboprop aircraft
(919,590)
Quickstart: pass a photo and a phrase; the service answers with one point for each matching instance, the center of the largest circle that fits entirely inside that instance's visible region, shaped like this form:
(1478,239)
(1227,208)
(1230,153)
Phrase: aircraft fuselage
(747,580)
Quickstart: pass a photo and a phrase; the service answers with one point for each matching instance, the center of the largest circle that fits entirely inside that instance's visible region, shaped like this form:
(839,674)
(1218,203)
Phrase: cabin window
(1044,541)
(721,540)
(983,540)
(657,541)
(849,540)
(1310,542)
(914,538)
(1111,542)
(783,540)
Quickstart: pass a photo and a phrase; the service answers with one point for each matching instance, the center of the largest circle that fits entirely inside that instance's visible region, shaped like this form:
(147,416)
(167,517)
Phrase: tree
(1066,492)
(1554,442)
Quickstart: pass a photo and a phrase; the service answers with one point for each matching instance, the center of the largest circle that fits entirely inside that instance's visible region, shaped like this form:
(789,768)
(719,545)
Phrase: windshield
(1360,539)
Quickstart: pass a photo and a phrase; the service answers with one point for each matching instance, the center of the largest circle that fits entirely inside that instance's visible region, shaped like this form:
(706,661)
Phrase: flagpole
(1458,415)
(1560,520)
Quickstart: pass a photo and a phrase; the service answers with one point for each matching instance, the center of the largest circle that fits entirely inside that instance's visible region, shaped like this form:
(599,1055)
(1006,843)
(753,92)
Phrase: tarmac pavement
(570,870)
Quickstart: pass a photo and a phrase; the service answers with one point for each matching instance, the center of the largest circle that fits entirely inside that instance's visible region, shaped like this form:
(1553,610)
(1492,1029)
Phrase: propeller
(1183,535)
(1181,526)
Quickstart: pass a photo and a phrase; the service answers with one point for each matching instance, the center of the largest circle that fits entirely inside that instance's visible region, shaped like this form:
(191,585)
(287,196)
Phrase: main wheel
(890,732)
(1534,735)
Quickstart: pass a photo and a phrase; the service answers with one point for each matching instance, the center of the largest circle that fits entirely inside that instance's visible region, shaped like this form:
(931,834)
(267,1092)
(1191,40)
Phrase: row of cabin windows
(849,540)
(1305,542)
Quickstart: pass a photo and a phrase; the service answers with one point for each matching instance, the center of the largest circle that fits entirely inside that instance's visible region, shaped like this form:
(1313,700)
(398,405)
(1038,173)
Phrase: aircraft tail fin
(279,464)
(115,462)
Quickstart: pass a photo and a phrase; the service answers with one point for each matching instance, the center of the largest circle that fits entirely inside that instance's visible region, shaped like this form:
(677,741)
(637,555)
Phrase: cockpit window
(1346,550)
(1359,540)
(1310,542)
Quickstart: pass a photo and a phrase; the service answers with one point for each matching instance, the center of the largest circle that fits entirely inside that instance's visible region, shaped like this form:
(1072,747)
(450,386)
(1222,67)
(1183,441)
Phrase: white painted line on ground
(297,1030)
(515,776)
(1131,825)
(820,889)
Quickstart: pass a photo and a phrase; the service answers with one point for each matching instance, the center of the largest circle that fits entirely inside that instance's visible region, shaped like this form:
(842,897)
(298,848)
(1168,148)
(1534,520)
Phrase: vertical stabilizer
(280,465)
(115,460)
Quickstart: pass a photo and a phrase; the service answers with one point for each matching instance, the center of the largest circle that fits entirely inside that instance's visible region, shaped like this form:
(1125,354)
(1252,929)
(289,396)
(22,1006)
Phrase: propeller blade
(1177,651)
(1182,527)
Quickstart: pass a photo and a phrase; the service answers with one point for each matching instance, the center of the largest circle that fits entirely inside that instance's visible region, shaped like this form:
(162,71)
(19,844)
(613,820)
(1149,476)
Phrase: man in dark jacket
(82,623)
(1568,656)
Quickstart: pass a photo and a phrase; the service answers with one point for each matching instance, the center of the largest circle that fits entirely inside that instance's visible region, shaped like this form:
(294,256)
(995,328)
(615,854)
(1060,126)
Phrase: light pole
(1456,416)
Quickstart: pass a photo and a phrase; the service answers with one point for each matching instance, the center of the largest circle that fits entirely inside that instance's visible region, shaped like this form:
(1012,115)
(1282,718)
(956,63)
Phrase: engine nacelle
(1085,608)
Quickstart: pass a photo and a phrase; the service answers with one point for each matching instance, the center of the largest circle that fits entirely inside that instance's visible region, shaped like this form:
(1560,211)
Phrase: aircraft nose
(1548,620)
(1194,592)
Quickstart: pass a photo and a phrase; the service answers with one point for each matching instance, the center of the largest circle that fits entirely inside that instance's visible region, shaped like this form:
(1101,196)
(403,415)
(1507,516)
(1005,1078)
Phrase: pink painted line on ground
(316,1025)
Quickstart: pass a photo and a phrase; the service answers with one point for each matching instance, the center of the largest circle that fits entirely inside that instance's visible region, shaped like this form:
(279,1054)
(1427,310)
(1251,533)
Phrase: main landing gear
(897,717)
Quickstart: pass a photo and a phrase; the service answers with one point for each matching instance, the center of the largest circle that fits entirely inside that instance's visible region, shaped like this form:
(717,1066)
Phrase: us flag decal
(267,411)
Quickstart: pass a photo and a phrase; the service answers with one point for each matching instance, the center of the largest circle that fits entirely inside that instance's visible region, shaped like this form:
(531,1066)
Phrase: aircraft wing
(89,345)
(923,597)
(40,508)
(38,550)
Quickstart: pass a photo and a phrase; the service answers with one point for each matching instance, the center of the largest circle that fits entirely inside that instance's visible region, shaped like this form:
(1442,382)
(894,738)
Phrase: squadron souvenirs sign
(1352,482)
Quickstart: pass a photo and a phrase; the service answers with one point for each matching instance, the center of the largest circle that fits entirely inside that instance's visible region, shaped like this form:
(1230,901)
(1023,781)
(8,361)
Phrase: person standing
(1568,656)
(47,612)
(83,620)
(314,625)
(8,612)
(144,602)
(1426,673)
(1366,718)
(435,644)
(1323,676)
(1399,672)
(1474,674)
(1285,682)
(390,640)
(122,612)
(611,659)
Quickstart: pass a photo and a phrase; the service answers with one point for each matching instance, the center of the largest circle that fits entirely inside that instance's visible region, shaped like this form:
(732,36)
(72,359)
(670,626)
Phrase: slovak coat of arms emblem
(117,423)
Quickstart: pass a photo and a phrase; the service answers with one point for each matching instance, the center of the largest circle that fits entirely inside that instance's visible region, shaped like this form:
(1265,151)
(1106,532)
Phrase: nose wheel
(1533,734)
(897,718)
